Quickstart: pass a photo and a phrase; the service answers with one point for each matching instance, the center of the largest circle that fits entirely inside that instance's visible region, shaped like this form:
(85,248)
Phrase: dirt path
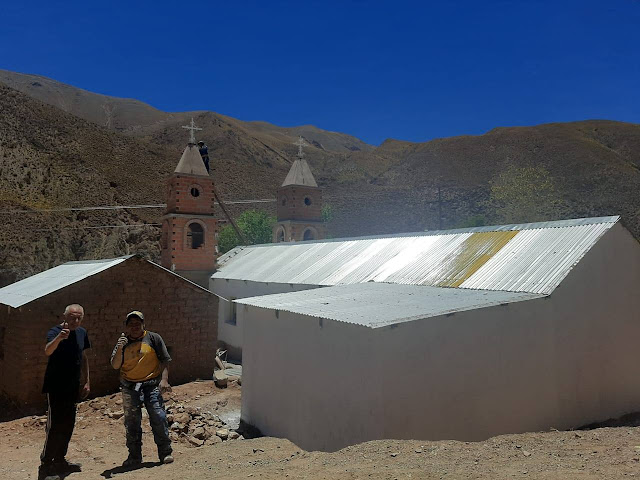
(98,443)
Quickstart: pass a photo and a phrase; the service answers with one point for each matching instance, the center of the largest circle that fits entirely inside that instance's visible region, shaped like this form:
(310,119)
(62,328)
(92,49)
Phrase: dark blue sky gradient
(394,69)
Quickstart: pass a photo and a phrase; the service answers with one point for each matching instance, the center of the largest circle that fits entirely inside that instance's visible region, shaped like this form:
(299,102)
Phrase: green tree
(525,194)
(327,213)
(255,225)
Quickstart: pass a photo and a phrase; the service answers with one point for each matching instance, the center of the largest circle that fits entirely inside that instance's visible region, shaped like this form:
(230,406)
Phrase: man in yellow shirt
(142,358)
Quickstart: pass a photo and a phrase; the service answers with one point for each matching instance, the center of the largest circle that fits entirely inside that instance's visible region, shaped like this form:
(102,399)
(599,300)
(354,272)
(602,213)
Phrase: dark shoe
(65,466)
(46,471)
(132,461)
(166,459)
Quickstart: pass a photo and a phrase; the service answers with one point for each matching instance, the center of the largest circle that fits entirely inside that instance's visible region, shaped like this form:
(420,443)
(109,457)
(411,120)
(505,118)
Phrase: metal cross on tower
(300,143)
(193,128)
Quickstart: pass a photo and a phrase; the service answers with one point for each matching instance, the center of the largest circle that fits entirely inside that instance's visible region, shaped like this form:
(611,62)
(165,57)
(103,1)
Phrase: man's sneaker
(166,459)
(65,466)
(132,461)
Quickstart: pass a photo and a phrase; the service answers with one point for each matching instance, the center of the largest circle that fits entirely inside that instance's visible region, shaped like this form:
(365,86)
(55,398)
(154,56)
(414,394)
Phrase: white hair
(74,306)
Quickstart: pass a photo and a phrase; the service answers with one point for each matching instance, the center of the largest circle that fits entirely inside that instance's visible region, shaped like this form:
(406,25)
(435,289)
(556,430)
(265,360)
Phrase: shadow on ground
(628,420)
(117,470)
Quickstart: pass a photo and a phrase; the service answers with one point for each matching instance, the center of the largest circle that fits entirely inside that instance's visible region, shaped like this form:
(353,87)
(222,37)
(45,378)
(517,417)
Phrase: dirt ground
(98,443)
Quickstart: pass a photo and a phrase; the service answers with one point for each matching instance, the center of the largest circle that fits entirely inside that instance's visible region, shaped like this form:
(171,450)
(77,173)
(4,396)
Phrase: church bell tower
(188,242)
(299,208)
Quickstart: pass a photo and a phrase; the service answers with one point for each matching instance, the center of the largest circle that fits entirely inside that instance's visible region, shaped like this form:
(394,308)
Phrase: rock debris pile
(187,424)
(197,427)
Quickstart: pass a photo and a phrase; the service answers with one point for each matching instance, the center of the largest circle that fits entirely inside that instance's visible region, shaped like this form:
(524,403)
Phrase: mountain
(52,158)
(138,118)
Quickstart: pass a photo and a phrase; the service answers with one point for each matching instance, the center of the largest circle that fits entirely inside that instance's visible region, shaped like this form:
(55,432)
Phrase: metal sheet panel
(465,259)
(376,305)
(44,283)
(536,260)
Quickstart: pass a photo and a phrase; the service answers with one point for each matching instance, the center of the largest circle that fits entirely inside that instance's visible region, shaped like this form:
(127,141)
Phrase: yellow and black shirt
(142,358)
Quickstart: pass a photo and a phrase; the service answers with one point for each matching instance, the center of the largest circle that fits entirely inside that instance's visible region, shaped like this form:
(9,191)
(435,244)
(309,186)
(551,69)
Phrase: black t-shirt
(65,363)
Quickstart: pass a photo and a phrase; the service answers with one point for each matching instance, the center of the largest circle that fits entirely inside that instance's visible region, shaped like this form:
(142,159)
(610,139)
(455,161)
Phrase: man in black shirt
(66,379)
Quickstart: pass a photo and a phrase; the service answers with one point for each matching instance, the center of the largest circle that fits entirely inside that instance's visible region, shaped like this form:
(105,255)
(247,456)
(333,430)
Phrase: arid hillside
(134,117)
(51,158)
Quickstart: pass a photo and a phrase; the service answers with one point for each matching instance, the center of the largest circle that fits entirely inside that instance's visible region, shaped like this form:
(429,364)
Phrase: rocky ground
(205,447)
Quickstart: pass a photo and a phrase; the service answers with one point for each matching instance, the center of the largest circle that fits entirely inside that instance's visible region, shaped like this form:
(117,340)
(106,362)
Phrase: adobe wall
(183,314)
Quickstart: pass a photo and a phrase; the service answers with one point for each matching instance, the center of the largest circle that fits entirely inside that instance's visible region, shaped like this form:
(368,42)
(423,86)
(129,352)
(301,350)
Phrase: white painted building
(442,335)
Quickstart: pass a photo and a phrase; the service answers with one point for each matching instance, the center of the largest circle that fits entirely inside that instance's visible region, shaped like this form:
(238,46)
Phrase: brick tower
(299,209)
(188,244)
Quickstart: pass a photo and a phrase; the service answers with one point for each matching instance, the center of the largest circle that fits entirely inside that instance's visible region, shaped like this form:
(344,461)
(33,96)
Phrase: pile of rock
(197,427)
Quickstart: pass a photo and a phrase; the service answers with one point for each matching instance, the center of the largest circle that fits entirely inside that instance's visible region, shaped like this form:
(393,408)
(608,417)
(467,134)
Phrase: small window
(231,319)
(195,235)
(307,201)
(280,235)
(283,201)
(195,192)
(309,234)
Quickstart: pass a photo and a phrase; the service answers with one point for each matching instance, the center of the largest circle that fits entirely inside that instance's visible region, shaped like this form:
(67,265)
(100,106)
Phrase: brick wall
(294,231)
(183,314)
(190,200)
(179,251)
(180,194)
(295,208)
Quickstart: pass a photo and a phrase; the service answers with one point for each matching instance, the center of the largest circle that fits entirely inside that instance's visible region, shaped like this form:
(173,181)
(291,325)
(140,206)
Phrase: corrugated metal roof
(512,258)
(376,305)
(44,283)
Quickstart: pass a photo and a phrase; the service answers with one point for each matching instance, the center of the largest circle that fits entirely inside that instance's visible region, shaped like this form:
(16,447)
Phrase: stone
(117,414)
(214,439)
(178,427)
(193,410)
(181,418)
(196,441)
(174,436)
(223,433)
(234,435)
(526,453)
(394,454)
(220,378)
(169,418)
(201,433)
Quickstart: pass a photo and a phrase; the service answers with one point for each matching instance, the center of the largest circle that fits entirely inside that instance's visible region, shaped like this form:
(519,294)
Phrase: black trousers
(61,419)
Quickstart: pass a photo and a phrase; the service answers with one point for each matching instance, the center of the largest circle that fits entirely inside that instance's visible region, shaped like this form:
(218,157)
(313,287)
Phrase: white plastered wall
(557,362)
(228,289)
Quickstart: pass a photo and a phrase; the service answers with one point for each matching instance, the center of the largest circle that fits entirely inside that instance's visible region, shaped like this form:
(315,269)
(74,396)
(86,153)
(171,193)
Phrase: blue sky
(377,69)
